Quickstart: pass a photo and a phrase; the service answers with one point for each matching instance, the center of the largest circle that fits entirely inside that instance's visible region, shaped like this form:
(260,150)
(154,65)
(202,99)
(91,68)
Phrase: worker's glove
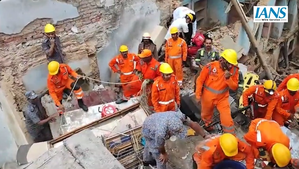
(291,117)
(140,75)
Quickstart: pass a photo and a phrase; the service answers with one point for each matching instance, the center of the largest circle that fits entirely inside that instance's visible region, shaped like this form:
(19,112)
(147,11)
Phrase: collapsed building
(91,32)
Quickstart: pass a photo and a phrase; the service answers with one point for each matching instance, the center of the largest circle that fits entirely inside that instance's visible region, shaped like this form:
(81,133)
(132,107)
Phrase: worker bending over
(183,30)
(269,143)
(166,91)
(264,99)
(52,45)
(183,12)
(283,84)
(127,67)
(288,104)
(223,147)
(204,56)
(59,81)
(212,89)
(159,127)
(147,43)
(176,53)
(149,67)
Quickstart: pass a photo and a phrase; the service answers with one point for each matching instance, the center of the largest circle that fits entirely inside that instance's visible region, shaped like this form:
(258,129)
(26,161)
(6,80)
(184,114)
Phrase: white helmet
(146,35)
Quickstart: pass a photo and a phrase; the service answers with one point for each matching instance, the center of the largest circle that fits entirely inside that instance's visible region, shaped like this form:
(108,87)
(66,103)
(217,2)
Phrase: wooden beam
(67,135)
(252,39)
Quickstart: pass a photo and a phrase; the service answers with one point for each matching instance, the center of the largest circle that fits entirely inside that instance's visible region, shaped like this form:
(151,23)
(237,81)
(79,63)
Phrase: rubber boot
(82,105)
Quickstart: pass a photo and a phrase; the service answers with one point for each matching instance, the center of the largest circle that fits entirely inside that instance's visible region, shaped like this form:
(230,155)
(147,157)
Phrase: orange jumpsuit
(165,94)
(175,53)
(213,154)
(127,67)
(213,90)
(57,83)
(263,105)
(287,105)
(283,84)
(264,133)
(150,71)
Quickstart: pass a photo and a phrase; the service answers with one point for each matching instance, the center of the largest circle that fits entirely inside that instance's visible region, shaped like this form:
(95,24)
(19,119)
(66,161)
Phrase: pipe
(252,38)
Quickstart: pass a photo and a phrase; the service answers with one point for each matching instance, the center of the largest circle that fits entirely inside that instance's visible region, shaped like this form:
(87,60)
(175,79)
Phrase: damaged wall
(23,63)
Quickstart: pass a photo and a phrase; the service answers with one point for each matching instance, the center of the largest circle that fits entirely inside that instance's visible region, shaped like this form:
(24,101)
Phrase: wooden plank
(67,135)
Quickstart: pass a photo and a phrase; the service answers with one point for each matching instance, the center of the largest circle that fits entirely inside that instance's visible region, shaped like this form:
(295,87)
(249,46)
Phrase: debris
(185,156)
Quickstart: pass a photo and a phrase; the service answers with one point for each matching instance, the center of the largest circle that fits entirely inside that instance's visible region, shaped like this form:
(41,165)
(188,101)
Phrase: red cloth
(197,41)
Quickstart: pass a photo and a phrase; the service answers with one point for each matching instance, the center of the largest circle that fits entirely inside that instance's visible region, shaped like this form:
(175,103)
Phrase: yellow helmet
(53,67)
(174,30)
(229,144)
(293,84)
(165,68)
(146,35)
(123,48)
(281,154)
(49,28)
(230,56)
(190,16)
(270,85)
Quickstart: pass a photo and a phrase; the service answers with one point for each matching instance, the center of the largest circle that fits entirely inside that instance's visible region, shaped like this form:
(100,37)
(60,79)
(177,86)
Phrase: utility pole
(251,37)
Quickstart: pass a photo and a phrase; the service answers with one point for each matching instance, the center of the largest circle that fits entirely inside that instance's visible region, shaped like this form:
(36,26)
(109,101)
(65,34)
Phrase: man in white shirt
(182,12)
(182,25)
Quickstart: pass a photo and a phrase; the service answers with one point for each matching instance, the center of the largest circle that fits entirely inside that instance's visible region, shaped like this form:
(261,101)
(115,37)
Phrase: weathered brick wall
(22,51)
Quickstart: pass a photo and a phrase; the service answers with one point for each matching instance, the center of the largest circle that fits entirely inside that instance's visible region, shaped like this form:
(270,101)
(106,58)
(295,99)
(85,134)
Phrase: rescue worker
(166,91)
(59,82)
(37,121)
(226,146)
(127,67)
(264,100)
(149,67)
(176,54)
(204,56)
(183,12)
(147,43)
(269,143)
(159,127)
(52,45)
(288,104)
(283,84)
(212,89)
(183,30)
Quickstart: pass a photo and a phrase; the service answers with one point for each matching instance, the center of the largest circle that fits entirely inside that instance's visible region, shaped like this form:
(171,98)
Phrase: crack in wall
(73,155)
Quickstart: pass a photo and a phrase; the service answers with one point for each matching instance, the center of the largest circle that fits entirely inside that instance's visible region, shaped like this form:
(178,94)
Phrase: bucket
(230,164)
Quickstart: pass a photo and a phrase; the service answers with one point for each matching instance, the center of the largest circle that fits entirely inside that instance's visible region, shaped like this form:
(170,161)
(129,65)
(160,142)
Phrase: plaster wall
(135,20)
(216,11)
(29,10)
(10,132)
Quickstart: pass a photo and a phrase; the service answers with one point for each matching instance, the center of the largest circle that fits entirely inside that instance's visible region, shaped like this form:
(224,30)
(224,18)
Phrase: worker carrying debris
(204,56)
(52,45)
(264,99)
(183,12)
(283,84)
(159,127)
(196,43)
(166,91)
(223,147)
(176,53)
(147,43)
(212,89)
(59,82)
(149,67)
(269,143)
(127,67)
(288,102)
(37,121)
(183,30)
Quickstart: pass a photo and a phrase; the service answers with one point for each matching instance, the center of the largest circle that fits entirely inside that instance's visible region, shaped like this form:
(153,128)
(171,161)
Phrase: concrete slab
(293,135)
(228,43)
(30,10)
(90,152)
(157,35)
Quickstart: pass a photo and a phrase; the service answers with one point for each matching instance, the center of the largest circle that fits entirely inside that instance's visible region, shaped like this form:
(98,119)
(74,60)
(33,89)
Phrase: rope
(144,99)
(96,80)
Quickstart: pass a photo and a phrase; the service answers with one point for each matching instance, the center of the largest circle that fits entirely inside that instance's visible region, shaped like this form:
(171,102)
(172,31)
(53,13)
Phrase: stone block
(90,152)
